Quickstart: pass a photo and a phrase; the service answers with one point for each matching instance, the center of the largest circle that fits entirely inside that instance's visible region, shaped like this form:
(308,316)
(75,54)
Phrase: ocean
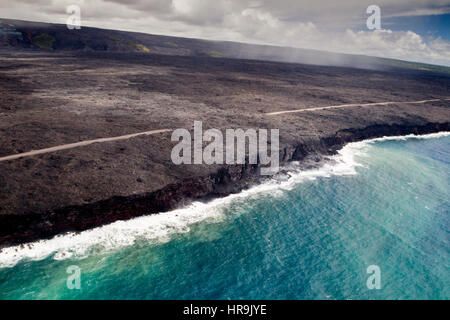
(306,235)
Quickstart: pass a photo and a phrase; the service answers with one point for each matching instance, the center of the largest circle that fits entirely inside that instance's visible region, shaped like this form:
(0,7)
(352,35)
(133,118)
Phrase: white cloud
(262,27)
(401,45)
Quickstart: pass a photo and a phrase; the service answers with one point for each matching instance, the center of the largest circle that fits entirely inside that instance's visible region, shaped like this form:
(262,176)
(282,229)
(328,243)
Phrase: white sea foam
(410,136)
(160,227)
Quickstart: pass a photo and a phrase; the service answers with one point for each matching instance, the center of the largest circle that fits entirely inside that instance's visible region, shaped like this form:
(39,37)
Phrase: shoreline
(158,228)
(22,229)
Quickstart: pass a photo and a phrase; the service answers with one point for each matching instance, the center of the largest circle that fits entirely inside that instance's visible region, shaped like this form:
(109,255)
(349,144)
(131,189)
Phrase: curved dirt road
(354,105)
(80,144)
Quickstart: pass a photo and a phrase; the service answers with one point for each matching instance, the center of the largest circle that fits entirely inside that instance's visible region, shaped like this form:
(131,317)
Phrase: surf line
(354,105)
(81,144)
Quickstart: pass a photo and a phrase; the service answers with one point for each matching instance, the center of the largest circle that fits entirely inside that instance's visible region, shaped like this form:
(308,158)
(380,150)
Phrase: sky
(414,30)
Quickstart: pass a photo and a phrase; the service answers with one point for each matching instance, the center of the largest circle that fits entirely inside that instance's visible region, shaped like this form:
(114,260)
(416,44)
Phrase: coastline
(18,230)
(206,154)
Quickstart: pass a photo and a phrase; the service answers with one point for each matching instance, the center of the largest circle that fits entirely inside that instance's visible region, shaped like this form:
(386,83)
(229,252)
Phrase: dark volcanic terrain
(52,98)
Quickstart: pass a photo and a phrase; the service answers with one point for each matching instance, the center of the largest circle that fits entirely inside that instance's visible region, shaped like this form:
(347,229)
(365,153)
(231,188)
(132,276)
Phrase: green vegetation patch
(44,41)
(215,54)
(172,44)
(139,46)
(142,48)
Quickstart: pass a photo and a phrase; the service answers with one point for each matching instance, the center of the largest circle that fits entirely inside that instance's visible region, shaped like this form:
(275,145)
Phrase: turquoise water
(310,237)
